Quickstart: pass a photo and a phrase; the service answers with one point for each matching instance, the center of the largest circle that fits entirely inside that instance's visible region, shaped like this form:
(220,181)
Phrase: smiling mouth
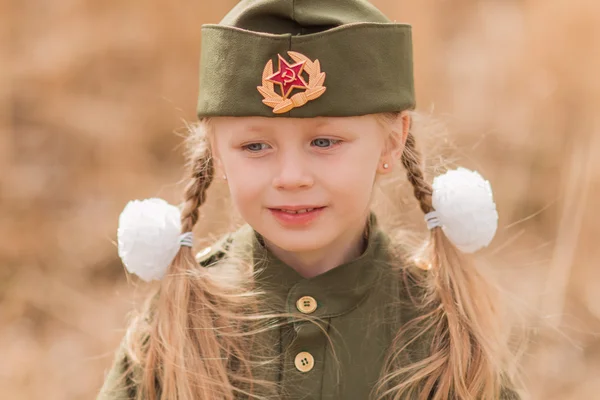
(297,211)
(297,216)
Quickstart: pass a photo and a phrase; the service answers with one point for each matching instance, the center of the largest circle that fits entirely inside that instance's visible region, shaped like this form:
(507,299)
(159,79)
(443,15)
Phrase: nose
(293,172)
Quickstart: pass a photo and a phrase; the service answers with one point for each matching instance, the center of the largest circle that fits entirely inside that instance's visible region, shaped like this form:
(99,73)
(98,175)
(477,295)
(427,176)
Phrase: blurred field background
(94,96)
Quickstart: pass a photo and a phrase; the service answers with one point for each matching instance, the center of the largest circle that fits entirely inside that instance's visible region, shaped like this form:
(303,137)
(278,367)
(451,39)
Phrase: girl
(303,106)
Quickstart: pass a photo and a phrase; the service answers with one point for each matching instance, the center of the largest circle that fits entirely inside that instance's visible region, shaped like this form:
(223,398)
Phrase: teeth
(298,211)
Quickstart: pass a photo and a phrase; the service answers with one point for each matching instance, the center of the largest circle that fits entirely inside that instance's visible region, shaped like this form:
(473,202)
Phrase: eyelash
(246,147)
(333,143)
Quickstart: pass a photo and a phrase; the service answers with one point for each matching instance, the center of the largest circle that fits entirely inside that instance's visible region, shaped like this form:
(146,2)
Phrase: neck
(315,262)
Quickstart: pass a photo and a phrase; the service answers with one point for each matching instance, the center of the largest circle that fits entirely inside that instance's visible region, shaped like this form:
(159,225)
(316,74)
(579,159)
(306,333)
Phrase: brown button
(304,361)
(306,304)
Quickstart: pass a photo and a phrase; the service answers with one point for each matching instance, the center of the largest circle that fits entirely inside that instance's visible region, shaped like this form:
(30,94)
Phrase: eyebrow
(257,128)
(254,128)
(343,126)
(323,124)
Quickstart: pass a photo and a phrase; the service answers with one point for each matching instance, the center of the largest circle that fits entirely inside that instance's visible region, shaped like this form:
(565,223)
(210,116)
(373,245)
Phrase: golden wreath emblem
(289,77)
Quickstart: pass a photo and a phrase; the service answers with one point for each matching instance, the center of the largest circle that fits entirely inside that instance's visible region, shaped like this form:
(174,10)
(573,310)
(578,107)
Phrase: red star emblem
(288,76)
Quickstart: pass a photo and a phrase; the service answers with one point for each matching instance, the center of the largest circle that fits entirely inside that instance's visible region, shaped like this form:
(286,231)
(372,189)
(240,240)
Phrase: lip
(287,219)
(294,208)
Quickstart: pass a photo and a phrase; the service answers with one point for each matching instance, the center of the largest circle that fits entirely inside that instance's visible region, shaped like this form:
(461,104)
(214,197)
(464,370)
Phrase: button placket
(304,361)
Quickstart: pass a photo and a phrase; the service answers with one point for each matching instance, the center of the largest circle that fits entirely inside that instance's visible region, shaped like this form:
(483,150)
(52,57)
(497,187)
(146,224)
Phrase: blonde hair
(193,339)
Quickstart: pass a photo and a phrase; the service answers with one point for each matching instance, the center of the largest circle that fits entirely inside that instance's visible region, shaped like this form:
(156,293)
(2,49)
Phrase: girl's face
(301,183)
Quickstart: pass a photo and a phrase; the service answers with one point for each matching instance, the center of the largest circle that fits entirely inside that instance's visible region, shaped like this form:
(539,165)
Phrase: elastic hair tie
(187,239)
(433,220)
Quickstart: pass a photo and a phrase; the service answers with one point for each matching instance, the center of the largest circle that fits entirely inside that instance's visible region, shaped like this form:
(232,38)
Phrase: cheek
(246,181)
(356,170)
(243,189)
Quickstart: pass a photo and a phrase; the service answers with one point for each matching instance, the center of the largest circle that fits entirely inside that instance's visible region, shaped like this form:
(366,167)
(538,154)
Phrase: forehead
(358,124)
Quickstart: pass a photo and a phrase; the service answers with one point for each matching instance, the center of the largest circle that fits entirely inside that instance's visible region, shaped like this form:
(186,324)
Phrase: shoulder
(122,378)
(411,274)
(238,242)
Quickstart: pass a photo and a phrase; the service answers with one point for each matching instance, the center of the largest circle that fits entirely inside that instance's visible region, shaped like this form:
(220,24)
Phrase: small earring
(225,177)
(385,166)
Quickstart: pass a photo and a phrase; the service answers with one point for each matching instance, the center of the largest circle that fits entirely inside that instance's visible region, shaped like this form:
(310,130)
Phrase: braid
(460,322)
(202,172)
(189,344)
(411,159)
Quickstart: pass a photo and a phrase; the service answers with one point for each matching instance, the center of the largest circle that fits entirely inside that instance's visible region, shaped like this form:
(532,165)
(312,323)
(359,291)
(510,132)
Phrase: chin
(296,242)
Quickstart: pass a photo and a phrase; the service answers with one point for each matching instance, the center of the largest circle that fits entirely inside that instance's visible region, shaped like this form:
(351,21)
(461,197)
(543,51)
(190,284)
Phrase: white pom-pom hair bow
(464,209)
(149,236)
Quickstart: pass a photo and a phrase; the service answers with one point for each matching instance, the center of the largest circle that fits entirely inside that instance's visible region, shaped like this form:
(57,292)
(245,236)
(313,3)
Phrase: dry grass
(91,94)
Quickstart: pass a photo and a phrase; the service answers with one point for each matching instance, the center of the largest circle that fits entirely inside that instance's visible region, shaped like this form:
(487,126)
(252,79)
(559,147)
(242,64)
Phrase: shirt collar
(336,291)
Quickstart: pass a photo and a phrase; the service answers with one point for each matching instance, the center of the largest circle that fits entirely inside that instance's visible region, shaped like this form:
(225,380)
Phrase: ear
(396,141)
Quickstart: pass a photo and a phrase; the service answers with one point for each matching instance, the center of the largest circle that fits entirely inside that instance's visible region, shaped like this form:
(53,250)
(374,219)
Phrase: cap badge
(288,78)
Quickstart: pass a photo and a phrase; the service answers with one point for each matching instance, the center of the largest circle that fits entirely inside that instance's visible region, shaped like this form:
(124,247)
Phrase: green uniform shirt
(362,304)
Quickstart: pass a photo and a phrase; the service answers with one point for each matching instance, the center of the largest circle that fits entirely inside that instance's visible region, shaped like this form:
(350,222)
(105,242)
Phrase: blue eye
(324,143)
(255,147)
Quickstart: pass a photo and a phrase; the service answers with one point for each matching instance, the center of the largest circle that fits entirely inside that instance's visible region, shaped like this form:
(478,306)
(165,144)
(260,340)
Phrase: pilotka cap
(305,58)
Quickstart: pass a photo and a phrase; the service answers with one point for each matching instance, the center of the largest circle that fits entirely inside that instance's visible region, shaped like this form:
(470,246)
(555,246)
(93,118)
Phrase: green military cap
(305,58)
